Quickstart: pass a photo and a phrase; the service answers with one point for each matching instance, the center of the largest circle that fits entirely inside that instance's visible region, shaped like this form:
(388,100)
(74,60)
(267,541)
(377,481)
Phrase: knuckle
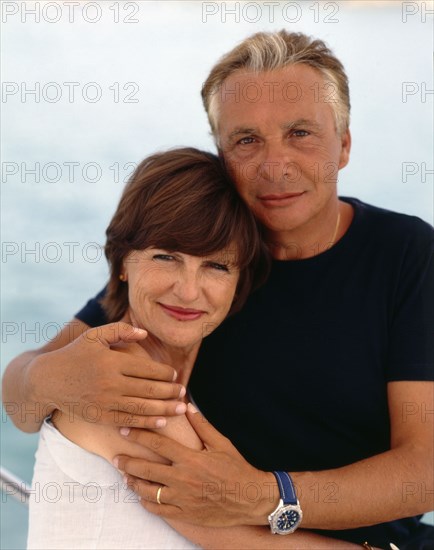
(151,369)
(104,384)
(150,389)
(146,473)
(134,434)
(145,408)
(156,441)
(129,420)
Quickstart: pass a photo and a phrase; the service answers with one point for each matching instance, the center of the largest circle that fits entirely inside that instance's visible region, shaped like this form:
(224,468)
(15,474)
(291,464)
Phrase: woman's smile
(181,313)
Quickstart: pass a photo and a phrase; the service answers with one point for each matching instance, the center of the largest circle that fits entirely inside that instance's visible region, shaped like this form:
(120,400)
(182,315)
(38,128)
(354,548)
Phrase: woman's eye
(163,257)
(218,267)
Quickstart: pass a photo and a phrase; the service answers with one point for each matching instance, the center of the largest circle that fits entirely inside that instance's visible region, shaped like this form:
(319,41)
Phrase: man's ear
(344,157)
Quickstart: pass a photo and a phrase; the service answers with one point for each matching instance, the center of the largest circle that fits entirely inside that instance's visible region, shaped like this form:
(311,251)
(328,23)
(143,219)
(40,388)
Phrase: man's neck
(313,238)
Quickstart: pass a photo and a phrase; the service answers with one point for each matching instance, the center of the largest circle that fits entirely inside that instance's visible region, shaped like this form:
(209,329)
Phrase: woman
(184,252)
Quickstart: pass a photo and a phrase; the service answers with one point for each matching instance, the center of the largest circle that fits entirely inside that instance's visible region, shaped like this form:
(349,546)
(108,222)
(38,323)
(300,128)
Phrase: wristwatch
(287,516)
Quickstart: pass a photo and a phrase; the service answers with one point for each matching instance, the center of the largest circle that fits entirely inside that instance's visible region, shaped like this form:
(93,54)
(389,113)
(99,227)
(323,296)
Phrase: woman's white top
(79,501)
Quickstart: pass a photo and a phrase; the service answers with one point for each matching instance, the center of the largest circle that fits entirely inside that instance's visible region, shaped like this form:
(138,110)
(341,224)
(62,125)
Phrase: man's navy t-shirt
(298,379)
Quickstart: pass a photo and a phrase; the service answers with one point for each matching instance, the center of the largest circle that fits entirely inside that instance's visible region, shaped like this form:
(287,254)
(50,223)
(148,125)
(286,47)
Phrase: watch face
(287,520)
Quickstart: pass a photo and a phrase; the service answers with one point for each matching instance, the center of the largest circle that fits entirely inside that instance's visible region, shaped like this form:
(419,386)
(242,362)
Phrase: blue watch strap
(286,487)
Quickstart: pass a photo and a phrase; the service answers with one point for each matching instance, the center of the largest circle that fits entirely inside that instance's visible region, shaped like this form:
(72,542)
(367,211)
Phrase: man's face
(277,135)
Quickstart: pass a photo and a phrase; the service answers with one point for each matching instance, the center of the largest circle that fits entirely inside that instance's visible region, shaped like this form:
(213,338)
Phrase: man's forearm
(25,410)
(392,485)
(388,486)
(255,538)
(209,488)
(27,387)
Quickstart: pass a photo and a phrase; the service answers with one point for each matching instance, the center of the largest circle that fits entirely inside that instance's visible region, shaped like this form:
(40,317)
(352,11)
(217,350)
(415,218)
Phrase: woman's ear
(123,275)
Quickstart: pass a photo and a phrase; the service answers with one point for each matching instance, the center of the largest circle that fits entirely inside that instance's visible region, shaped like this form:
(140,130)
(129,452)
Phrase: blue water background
(167,55)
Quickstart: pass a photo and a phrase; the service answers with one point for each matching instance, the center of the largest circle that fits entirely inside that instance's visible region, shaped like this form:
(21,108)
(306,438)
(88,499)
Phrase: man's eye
(300,133)
(246,141)
(163,257)
(218,267)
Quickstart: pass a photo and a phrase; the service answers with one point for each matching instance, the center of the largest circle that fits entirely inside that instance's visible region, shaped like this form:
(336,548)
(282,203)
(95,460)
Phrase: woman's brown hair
(183,200)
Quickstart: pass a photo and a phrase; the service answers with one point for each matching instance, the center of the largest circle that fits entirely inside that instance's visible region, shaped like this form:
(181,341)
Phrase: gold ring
(159,494)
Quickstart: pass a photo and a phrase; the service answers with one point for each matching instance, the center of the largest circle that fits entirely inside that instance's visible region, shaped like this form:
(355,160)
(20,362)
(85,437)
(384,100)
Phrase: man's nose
(277,163)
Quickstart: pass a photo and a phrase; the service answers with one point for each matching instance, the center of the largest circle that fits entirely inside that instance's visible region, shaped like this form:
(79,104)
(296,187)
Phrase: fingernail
(116,462)
(192,408)
(182,392)
(124,431)
(160,423)
(181,408)
(125,479)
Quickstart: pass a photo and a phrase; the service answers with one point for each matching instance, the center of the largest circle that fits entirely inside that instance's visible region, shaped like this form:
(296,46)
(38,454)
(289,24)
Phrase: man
(321,375)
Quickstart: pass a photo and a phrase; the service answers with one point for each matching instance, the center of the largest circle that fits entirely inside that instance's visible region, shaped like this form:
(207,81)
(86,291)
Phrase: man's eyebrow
(241,130)
(306,123)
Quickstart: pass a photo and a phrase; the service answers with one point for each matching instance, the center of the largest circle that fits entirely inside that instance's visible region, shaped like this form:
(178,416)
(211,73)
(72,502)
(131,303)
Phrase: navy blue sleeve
(92,313)
(411,349)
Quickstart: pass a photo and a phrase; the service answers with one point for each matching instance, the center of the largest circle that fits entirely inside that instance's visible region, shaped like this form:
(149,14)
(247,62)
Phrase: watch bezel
(281,508)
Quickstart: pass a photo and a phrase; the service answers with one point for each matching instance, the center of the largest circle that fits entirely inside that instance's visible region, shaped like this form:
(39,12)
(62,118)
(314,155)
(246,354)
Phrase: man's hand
(212,487)
(103,376)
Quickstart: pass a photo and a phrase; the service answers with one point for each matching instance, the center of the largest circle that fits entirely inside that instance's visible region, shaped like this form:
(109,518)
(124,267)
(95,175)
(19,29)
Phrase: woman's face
(177,297)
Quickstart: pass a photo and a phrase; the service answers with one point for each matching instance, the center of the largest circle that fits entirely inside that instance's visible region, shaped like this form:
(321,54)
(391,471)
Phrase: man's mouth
(280,199)
(181,313)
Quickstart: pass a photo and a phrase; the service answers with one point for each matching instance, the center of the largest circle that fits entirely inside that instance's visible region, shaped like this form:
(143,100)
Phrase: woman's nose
(187,286)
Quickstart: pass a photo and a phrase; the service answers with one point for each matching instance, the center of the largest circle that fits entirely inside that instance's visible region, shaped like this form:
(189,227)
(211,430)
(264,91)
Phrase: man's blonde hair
(266,51)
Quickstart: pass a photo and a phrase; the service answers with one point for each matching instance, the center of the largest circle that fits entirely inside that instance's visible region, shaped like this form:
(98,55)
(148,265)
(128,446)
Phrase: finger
(143,469)
(211,438)
(114,333)
(124,420)
(151,389)
(148,496)
(163,510)
(139,367)
(148,491)
(148,407)
(160,444)
(134,349)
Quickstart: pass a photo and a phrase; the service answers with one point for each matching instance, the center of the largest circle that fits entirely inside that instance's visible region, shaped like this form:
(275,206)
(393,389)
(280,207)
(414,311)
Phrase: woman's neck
(180,358)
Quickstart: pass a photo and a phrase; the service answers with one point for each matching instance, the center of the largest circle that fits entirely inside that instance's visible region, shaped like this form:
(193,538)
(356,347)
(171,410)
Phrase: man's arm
(79,371)
(256,538)
(231,538)
(20,388)
(214,487)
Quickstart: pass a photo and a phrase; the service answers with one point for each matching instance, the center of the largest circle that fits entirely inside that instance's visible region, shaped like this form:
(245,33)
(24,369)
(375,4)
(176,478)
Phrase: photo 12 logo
(71,92)
(270,12)
(70,12)
(66,172)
